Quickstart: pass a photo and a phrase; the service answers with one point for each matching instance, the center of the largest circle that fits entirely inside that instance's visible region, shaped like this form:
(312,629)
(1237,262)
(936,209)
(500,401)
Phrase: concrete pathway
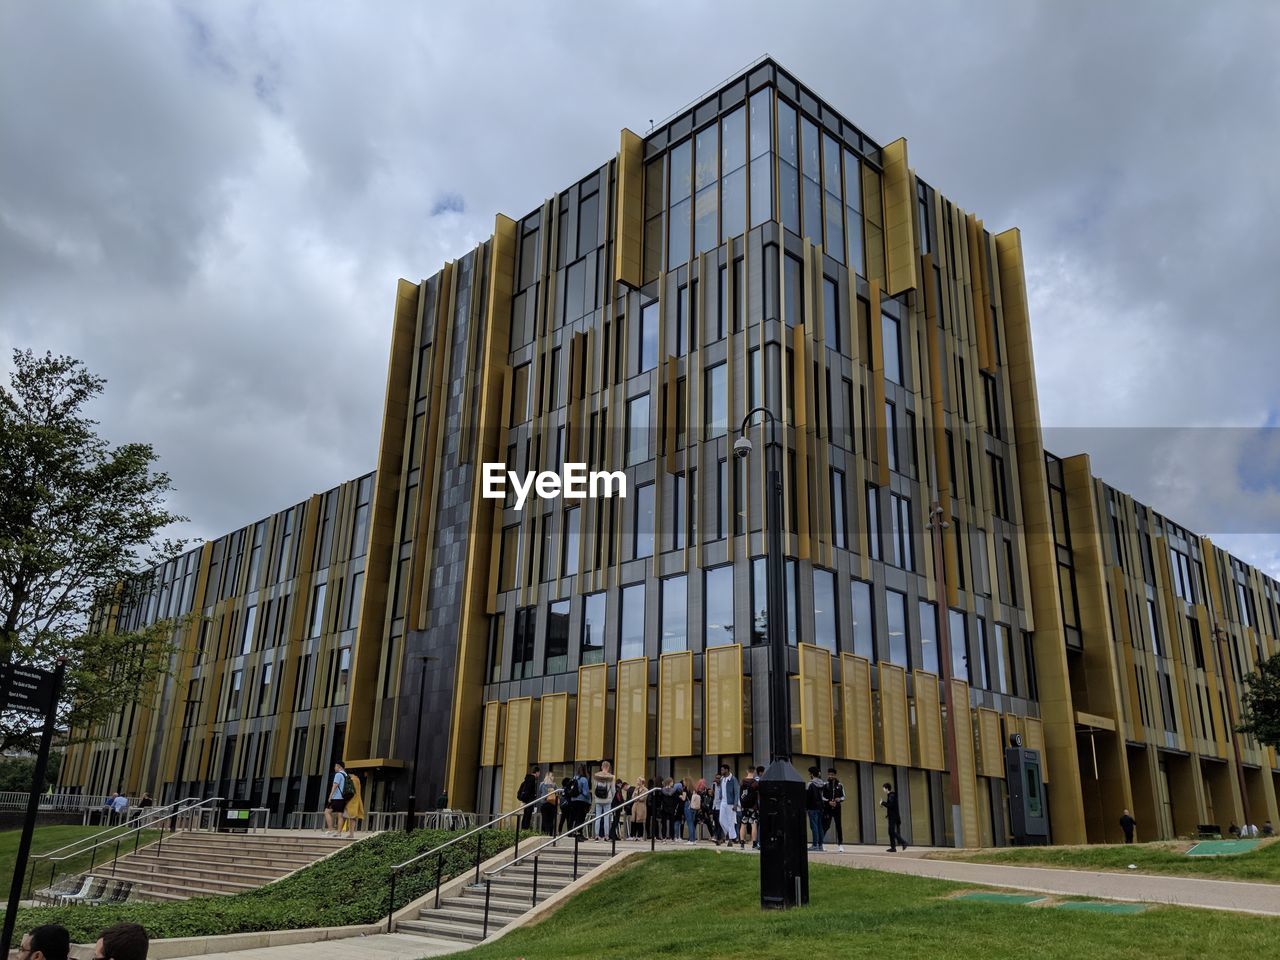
(1260,898)
(384,946)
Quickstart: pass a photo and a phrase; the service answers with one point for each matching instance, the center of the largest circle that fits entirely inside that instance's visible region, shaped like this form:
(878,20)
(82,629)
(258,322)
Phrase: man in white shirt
(337,801)
(119,807)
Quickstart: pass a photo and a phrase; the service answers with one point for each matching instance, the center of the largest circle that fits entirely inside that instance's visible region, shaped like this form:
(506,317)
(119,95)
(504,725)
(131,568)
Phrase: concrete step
(509,904)
(472,915)
(173,861)
(250,845)
(446,929)
(145,872)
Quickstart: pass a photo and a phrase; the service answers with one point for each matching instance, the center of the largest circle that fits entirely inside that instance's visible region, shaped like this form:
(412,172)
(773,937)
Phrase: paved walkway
(1262,898)
(384,946)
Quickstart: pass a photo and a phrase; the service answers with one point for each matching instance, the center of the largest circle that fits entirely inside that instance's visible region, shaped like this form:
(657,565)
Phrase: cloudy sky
(210,204)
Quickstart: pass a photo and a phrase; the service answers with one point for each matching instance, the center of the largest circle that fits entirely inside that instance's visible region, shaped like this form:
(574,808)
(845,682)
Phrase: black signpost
(28,690)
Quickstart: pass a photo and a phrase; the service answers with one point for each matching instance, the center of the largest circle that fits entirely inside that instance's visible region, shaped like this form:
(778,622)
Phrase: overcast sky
(210,204)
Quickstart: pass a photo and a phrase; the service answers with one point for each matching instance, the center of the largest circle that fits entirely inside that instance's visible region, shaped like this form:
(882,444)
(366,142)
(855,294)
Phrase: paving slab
(383,946)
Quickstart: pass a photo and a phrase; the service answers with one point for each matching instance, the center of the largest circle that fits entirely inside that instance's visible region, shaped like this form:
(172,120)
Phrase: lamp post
(784,863)
(410,811)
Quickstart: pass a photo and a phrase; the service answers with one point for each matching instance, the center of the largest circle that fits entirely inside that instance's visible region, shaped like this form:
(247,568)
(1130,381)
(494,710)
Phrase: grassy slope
(349,887)
(706,905)
(44,840)
(1261,864)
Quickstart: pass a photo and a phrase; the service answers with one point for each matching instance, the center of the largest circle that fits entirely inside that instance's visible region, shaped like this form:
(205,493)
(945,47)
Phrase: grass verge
(1259,865)
(48,839)
(349,887)
(706,905)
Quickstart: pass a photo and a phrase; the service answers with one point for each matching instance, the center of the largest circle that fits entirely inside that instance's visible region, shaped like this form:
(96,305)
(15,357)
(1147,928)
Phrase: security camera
(742,448)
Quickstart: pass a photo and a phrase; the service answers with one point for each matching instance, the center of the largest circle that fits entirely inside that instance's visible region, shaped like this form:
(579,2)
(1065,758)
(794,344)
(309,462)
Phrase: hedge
(349,887)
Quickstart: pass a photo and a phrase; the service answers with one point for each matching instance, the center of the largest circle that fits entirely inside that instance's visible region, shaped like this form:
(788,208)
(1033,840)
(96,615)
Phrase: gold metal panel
(1033,739)
(899,218)
(989,737)
(817,712)
(632,718)
(628,247)
(553,728)
(593,686)
(489,735)
(855,708)
(675,704)
(894,722)
(515,749)
(964,761)
(724,729)
(929,722)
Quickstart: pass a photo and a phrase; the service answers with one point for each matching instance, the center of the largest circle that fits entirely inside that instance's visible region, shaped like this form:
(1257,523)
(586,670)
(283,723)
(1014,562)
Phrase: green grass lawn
(348,887)
(706,905)
(46,840)
(1261,864)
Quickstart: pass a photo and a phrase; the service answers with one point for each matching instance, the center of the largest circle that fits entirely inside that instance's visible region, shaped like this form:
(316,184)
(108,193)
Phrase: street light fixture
(784,863)
(410,811)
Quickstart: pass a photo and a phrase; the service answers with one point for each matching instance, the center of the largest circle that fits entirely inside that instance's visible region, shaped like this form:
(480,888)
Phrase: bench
(1208,831)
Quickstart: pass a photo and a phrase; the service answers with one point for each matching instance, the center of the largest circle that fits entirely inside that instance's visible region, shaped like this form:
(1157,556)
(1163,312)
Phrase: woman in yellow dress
(354,810)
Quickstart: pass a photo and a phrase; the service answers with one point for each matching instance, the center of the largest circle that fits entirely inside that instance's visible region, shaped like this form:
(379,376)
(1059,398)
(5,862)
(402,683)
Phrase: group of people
(120,941)
(603,806)
(116,807)
(1251,831)
(344,808)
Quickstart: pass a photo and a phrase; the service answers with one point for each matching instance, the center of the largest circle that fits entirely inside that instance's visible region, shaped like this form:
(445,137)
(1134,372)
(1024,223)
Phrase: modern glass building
(948,582)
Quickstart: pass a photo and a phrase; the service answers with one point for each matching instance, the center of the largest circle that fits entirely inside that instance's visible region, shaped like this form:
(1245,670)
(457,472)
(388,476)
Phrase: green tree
(16,772)
(1260,702)
(79,518)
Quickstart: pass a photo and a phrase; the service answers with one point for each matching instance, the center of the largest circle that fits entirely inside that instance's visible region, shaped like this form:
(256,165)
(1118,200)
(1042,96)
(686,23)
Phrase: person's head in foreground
(121,941)
(48,942)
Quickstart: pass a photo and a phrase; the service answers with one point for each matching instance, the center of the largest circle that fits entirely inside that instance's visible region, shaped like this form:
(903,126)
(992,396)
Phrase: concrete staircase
(201,864)
(461,918)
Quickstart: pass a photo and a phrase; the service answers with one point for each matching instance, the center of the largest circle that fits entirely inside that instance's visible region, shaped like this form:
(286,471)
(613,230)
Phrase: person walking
(749,801)
(814,804)
(693,810)
(730,797)
(1127,824)
(49,941)
(602,799)
(834,798)
(894,817)
(526,793)
(549,796)
(336,801)
(639,809)
(353,812)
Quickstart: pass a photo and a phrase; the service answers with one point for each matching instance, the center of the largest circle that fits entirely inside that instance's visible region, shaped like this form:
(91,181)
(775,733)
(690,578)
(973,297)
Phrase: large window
(863,630)
(825,616)
(317,609)
(733,167)
(793,290)
(929,637)
(250,621)
(717,401)
(717,604)
(569,559)
(648,336)
(1006,665)
(759,600)
(838,534)
(959,637)
(681,203)
(873,521)
(593,606)
(896,628)
(675,614)
(642,521)
(900,517)
(832,207)
(557,655)
(788,167)
(831,315)
(810,180)
(631,622)
(979,661)
(360,532)
(853,211)
(522,647)
(761,107)
(519,394)
(892,345)
(637,429)
(706,176)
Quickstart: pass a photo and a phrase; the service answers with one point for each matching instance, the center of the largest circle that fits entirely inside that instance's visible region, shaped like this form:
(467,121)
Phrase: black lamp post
(784,859)
(410,807)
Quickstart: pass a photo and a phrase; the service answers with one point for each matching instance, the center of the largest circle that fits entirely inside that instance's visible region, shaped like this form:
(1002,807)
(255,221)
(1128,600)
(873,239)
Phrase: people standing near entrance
(602,799)
(568,793)
(682,803)
(639,808)
(549,796)
(749,800)
(526,793)
(693,810)
(353,812)
(336,800)
(894,817)
(618,811)
(730,798)
(582,802)
(834,798)
(814,804)
(1127,824)
(1268,829)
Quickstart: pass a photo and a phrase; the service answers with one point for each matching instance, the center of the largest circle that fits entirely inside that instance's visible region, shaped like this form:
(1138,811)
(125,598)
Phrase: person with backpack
(549,794)
(340,791)
(526,793)
(749,800)
(353,812)
(568,808)
(602,798)
(692,810)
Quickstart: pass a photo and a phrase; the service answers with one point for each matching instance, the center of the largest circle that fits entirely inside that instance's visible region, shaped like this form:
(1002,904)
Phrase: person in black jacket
(1127,823)
(890,804)
(814,804)
(833,796)
(526,792)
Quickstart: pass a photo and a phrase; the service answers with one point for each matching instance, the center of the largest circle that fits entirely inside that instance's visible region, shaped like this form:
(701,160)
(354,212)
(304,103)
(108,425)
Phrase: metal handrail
(136,832)
(149,816)
(438,852)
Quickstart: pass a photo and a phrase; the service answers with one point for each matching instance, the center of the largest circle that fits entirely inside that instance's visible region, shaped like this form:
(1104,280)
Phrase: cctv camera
(742,448)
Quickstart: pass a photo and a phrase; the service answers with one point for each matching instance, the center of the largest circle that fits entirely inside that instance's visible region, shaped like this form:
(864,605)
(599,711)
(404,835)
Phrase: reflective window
(1006,674)
(892,348)
(788,167)
(759,600)
(557,653)
(717,605)
(900,517)
(643,521)
(853,212)
(810,180)
(522,646)
(873,521)
(929,637)
(717,401)
(825,615)
(569,562)
(863,626)
(648,336)
(631,622)
(680,205)
(733,167)
(959,637)
(831,315)
(588,223)
(793,290)
(675,614)
(593,628)
(317,609)
(793,603)
(896,627)
(638,429)
(706,174)
(978,663)
(761,107)
(360,533)
(838,537)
